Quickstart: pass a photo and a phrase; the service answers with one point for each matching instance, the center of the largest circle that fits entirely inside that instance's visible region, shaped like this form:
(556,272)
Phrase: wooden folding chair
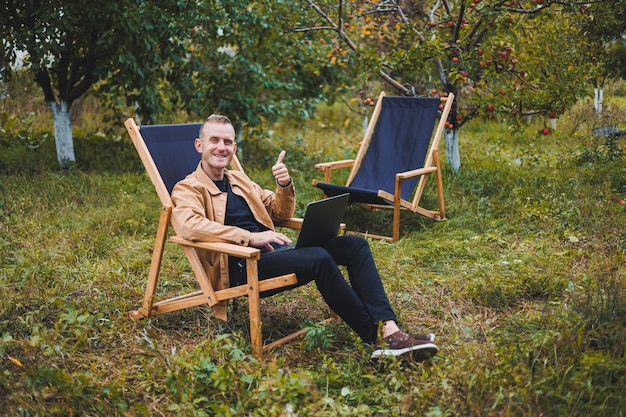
(394,159)
(168,154)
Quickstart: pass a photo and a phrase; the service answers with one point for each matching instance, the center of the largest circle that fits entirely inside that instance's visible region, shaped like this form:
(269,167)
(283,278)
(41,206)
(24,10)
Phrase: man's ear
(198,145)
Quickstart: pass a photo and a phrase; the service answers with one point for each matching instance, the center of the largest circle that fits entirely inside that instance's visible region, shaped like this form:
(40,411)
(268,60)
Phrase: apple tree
(603,30)
(70,45)
(499,57)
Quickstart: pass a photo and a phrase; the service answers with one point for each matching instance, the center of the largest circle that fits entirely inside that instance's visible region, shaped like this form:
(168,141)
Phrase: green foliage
(253,70)
(21,145)
(27,151)
(317,336)
(608,149)
(501,59)
(604,25)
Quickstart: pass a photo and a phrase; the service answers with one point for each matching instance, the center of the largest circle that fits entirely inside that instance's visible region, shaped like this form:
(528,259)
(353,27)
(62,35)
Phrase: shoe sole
(426,351)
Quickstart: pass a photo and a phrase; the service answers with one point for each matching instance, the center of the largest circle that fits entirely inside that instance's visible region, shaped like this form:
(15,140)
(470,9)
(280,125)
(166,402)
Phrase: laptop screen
(322,219)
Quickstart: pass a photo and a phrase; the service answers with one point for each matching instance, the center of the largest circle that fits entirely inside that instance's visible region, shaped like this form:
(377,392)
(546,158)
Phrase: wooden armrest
(222,247)
(293,223)
(414,173)
(345,163)
(296,224)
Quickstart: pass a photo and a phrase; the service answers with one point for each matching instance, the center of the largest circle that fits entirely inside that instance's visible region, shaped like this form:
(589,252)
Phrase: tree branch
(43,79)
(342,34)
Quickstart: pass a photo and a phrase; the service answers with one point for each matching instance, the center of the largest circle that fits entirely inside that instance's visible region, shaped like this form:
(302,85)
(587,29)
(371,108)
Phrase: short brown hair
(218,118)
(215,118)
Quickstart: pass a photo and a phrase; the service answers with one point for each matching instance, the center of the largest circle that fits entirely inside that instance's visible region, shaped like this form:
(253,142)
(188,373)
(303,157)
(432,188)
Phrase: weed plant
(524,285)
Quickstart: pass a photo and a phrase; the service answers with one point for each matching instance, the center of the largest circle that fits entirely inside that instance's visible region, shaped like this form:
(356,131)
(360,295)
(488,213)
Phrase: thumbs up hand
(280,171)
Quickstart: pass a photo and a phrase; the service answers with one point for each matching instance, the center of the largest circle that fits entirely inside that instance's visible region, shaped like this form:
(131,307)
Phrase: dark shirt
(238,214)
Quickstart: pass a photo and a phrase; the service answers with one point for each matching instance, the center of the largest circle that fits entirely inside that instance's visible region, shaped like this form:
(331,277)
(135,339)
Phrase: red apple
(490,108)
(545,131)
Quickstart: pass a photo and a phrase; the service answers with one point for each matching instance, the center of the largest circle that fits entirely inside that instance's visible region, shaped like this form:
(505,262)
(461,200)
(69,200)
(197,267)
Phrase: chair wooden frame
(207,294)
(431,165)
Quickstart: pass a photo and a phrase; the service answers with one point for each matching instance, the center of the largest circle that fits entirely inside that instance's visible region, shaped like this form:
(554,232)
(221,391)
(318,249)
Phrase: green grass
(524,285)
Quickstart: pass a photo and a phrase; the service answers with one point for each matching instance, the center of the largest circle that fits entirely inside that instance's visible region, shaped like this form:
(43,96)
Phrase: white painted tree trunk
(597,99)
(452,148)
(63,132)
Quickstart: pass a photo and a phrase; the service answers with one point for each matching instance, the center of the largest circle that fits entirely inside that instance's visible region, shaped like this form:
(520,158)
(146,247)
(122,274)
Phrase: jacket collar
(208,182)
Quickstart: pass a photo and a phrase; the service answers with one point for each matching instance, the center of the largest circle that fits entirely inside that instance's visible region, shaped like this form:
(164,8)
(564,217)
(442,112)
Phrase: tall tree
(499,57)
(245,65)
(164,57)
(602,25)
(71,44)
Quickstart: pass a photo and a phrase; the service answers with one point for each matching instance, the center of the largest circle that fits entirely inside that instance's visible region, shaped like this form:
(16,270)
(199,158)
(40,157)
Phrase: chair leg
(396,212)
(254,305)
(442,209)
(155,265)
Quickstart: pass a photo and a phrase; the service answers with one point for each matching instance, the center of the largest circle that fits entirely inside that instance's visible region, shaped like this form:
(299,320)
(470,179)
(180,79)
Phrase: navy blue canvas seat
(168,154)
(397,154)
(172,149)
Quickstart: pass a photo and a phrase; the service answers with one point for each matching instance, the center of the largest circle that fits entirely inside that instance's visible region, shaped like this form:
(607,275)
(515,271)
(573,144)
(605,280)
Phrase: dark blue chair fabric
(172,150)
(357,195)
(399,143)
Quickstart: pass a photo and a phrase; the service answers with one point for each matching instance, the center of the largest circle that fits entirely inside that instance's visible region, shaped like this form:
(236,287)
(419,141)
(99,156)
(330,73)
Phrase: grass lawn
(524,286)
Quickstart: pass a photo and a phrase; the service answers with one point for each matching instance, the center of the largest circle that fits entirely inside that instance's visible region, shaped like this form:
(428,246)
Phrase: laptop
(321,222)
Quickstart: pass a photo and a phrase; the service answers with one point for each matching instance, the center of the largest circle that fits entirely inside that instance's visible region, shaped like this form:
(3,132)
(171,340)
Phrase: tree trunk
(597,99)
(452,148)
(62,132)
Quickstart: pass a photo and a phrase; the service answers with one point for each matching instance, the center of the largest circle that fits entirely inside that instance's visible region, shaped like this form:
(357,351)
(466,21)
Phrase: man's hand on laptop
(265,239)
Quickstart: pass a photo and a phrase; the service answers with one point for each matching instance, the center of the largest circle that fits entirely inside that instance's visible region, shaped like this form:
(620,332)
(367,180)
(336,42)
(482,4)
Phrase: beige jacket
(200,209)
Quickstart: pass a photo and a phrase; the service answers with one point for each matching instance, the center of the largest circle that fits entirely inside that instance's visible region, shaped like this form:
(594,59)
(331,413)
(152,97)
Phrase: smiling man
(215,204)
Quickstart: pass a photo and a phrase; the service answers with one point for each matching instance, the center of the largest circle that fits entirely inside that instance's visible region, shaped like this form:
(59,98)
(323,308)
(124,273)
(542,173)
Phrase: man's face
(217,146)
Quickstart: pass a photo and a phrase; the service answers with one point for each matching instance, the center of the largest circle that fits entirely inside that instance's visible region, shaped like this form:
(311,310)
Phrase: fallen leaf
(15,361)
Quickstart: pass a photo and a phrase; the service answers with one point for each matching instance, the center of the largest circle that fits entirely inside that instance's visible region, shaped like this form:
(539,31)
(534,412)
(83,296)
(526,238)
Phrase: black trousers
(362,303)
